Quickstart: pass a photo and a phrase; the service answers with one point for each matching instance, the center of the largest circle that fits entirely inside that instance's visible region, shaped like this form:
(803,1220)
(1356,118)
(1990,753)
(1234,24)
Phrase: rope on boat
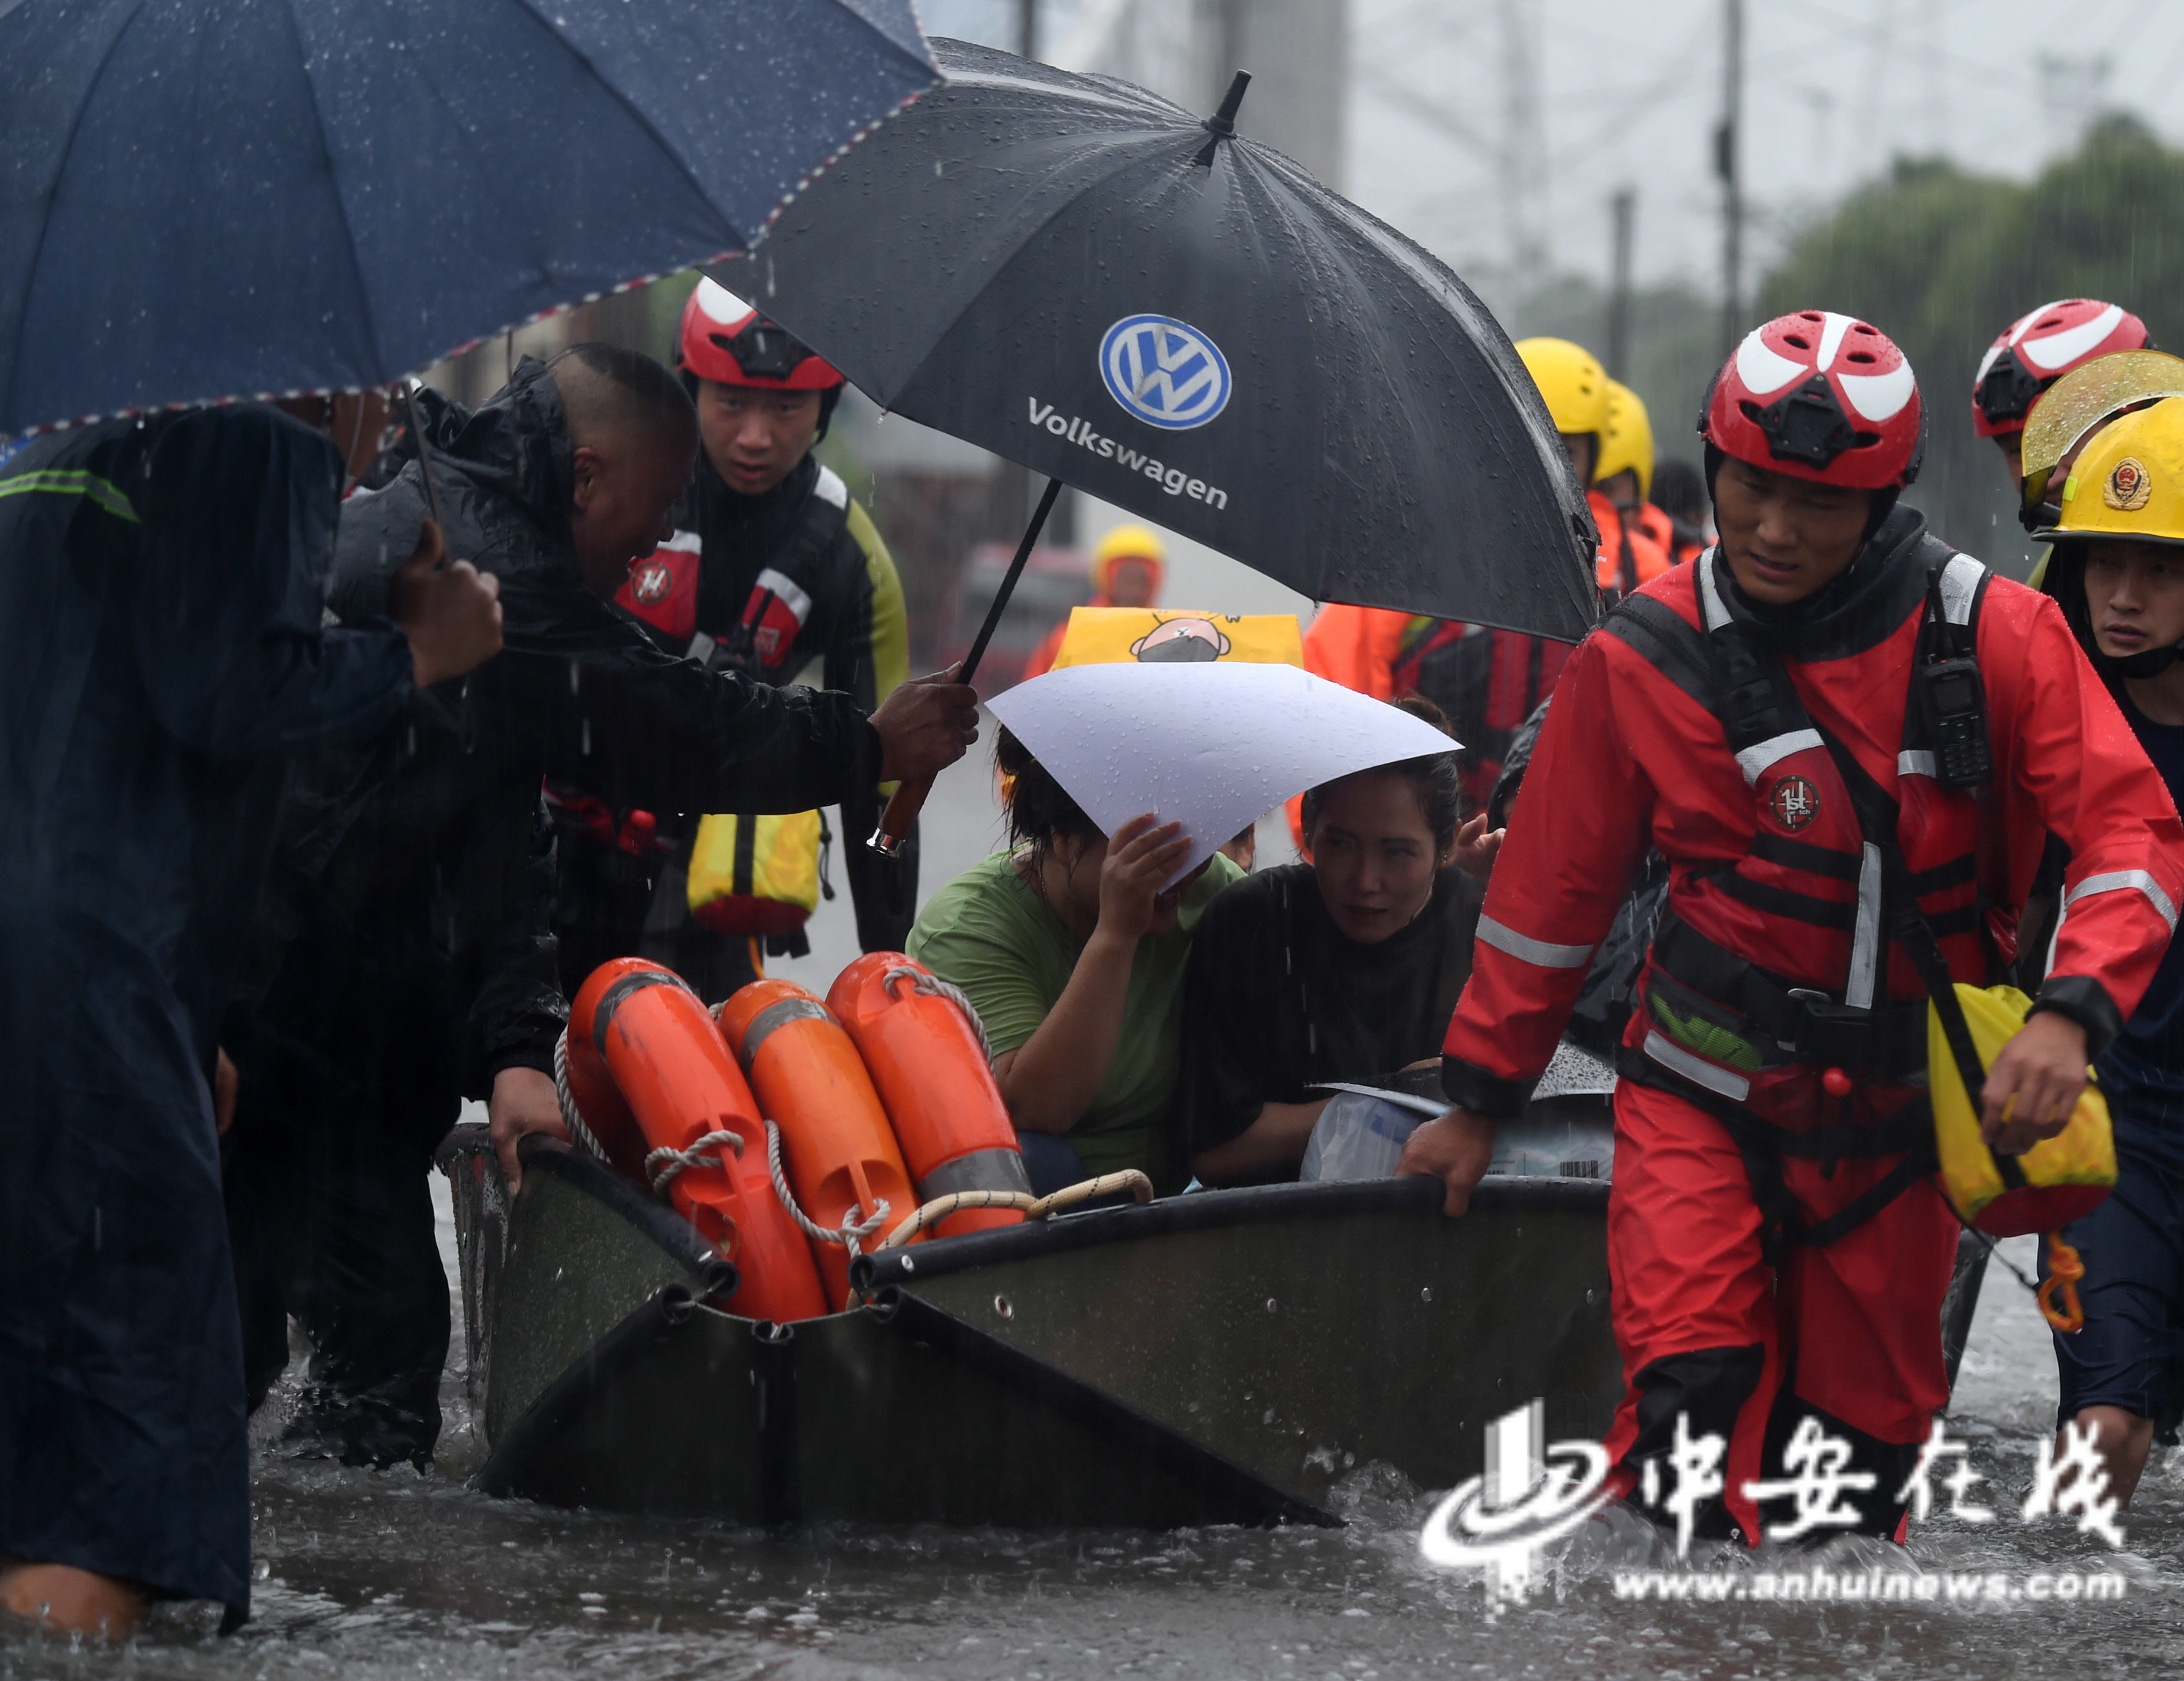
(853,1232)
(1034,1208)
(663,1166)
(571,1116)
(924,981)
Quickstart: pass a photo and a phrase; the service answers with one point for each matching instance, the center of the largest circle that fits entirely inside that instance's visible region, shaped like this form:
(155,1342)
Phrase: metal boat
(1221,1357)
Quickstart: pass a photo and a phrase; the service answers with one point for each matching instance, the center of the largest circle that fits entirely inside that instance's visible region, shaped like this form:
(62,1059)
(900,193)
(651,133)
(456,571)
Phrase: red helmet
(725,340)
(1823,396)
(2039,349)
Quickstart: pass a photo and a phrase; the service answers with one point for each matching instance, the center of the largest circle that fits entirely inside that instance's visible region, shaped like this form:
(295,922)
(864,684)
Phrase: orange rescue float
(931,1072)
(838,1151)
(655,1039)
(598,1102)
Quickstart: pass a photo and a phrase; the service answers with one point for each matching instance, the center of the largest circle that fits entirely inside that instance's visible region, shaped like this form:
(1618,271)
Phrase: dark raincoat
(405,953)
(160,597)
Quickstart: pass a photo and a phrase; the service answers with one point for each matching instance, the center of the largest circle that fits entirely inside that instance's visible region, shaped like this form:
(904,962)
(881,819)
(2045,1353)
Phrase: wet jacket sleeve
(1576,838)
(2071,766)
(586,695)
(518,1011)
(867,658)
(239,507)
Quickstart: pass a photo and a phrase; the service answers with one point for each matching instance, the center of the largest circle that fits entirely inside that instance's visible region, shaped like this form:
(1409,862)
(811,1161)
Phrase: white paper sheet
(1211,746)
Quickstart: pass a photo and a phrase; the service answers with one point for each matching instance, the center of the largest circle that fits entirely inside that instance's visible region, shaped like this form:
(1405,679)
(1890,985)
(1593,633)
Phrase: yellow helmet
(1627,444)
(2129,484)
(1129,543)
(1571,379)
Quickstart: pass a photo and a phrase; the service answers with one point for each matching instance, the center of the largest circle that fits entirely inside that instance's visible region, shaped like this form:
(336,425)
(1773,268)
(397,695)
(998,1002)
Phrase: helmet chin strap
(2139,666)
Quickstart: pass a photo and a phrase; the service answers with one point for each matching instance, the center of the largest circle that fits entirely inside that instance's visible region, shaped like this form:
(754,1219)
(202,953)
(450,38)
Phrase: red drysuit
(1773,887)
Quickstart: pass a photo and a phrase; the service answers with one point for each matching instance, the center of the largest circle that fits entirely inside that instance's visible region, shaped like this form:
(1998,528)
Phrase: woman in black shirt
(1346,968)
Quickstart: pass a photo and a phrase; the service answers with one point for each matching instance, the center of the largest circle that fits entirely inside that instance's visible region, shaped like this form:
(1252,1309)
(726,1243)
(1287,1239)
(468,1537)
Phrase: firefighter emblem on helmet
(652,583)
(1794,801)
(2129,486)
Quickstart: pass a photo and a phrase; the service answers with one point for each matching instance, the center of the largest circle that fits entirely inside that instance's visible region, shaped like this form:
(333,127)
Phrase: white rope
(925,982)
(571,1116)
(853,1232)
(1034,1208)
(663,1166)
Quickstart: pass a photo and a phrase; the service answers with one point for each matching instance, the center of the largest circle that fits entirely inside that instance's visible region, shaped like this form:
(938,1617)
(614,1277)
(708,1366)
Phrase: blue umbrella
(207,199)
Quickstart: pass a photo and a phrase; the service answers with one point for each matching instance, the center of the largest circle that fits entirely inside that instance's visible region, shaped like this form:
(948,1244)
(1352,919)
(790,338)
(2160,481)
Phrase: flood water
(391,1574)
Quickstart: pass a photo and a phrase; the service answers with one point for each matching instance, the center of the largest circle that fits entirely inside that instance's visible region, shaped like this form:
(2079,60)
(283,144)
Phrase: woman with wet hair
(1344,968)
(1073,953)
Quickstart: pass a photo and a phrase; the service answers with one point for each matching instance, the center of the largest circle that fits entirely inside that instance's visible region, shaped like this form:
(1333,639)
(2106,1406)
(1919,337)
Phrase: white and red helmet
(2038,349)
(1823,396)
(725,340)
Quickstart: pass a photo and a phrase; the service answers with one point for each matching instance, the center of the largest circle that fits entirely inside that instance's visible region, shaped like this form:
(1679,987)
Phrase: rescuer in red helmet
(772,566)
(2035,350)
(1793,721)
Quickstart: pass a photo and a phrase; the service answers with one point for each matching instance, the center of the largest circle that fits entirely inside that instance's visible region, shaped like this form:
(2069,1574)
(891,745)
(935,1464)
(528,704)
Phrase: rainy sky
(1630,92)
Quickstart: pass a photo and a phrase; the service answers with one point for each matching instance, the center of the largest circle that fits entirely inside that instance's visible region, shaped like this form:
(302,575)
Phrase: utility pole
(1624,208)
(1726,150)
(1027,28)
(1523,157)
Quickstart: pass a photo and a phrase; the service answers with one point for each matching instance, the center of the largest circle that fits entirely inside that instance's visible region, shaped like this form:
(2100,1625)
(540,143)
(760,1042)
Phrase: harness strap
(800,562)
(1888,1040)
(1910,1131)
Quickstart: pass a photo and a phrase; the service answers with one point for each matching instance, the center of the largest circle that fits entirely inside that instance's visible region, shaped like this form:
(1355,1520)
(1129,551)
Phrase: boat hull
(1220,1358)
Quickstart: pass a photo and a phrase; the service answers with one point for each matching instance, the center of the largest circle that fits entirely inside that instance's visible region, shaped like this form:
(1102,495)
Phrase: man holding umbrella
(210,202)
(405,960)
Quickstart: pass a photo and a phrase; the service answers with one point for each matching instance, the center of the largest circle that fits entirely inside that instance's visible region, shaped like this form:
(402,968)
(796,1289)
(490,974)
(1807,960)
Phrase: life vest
(1675,541)
(1487,681)
(751,874)
(756,875)
(1626,559)
(1768,972)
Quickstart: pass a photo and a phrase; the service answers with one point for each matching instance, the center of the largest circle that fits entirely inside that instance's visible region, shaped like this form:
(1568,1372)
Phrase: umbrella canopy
(203,198)
(1210,746)
(1083,277)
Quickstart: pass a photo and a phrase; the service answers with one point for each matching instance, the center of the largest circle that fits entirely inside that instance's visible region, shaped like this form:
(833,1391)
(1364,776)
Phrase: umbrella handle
(901,816)
(908,800)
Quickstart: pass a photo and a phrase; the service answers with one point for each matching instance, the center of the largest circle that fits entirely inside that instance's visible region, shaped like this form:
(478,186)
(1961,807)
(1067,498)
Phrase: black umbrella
(1081,276)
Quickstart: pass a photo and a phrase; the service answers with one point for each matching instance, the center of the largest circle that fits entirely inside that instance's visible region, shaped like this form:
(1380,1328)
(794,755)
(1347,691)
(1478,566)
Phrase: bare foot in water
(61,1598)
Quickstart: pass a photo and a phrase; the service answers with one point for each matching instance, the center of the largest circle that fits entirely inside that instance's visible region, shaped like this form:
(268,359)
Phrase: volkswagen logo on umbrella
(1164,371)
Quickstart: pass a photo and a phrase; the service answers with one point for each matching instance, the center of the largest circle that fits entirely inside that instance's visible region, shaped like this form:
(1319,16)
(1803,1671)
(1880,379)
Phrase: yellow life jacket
(2059,1180)
(755,876)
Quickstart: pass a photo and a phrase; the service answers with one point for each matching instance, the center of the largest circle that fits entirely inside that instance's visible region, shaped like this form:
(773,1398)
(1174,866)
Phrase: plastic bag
(1358,1137)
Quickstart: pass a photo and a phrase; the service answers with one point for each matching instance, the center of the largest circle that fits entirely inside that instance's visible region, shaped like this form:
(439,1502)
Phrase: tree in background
(1942,261)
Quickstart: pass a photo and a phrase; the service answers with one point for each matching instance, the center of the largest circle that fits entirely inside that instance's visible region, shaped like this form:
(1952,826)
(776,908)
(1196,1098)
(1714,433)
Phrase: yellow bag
(756,875)
(1110,635)
(2057,1181)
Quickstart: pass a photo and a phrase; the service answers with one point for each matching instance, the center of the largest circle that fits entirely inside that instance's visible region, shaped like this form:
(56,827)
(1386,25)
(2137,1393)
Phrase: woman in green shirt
(1074,958)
